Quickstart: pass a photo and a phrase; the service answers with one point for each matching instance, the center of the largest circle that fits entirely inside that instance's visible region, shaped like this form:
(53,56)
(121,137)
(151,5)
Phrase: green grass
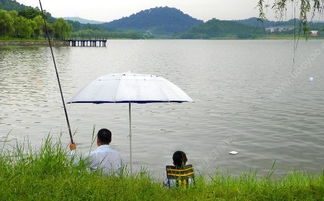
(47,174)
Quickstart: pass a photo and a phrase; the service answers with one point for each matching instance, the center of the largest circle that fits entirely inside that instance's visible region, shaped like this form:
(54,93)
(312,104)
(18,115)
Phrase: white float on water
(233,152)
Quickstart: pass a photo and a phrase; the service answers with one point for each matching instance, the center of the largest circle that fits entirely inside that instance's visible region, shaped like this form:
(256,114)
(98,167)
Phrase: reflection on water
(248,98)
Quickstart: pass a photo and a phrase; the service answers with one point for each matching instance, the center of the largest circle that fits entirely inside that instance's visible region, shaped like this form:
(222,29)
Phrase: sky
(108,10)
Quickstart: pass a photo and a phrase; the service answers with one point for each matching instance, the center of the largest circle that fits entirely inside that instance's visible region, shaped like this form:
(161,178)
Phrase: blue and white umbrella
(130,88)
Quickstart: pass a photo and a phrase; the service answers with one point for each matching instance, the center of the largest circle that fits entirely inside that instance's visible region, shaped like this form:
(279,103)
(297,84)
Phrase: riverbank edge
(6,43)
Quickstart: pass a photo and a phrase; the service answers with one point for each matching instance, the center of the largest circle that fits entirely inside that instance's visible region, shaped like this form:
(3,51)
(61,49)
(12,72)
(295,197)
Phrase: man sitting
(103,157)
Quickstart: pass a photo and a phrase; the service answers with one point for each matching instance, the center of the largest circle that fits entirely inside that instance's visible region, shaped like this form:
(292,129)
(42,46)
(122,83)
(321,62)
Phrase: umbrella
(130,88)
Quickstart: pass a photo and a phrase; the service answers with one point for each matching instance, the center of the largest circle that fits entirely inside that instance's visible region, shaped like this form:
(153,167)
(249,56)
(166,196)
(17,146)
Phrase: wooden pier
(87,43)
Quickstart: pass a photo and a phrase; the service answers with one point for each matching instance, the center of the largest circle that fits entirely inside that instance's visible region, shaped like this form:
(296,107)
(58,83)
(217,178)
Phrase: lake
(263,99)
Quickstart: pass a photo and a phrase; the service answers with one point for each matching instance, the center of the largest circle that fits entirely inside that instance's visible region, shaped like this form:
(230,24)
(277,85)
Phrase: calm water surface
(249,97)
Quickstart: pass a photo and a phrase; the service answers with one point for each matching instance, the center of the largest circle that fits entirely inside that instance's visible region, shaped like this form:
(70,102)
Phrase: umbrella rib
(164,93)
(117,90)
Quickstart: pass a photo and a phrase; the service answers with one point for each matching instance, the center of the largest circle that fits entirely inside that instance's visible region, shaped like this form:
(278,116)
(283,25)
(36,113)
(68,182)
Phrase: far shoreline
(62,43)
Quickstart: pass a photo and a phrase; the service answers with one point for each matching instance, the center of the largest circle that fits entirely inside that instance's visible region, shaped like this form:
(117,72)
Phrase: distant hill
(82,20)
(255,22)
(12,5)
(166,22)
(158,21)
(295,23)
(222,29)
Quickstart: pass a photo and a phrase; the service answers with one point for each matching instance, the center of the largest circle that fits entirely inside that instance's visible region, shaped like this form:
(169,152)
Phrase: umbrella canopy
(130,88)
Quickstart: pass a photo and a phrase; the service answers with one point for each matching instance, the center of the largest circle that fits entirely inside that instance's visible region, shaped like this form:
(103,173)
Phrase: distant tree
(21,21)
(6,23)
(223,29)
(23,27)
(95,34)
(39,26)
(14,16)
(13,13)
(50,29)
(77,26)
(62,29)
(29,13)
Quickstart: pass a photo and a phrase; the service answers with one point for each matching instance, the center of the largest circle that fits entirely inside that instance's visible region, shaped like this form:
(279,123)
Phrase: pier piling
(87,43)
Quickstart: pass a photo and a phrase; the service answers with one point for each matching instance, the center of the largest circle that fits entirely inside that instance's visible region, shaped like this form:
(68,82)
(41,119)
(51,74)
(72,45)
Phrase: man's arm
(75,160)
(73,156)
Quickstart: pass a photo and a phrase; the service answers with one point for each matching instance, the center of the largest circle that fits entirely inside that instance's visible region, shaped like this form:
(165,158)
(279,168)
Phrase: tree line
(28,23)
(215,28)
(99,34)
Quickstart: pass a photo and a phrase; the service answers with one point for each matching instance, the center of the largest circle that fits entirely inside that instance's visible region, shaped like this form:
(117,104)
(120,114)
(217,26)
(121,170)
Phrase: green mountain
(295,25)
(160,21)
(25,22)
(23,10)
(12,5)
(222,29)
(256,22)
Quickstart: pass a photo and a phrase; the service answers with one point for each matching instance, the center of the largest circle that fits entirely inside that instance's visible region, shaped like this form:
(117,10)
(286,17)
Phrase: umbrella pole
(130,137)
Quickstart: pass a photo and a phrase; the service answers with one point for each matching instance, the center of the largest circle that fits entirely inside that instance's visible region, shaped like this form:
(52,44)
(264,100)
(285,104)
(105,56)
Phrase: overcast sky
(108,10)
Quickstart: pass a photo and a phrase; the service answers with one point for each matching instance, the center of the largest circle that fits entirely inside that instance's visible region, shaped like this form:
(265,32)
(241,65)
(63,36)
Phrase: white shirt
(104,158)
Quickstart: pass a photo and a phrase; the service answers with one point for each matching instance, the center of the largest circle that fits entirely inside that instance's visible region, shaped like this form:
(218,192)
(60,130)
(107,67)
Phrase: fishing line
(57,75)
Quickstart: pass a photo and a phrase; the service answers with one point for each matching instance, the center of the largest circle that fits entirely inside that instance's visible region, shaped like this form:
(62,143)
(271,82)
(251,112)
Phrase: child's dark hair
(179,159)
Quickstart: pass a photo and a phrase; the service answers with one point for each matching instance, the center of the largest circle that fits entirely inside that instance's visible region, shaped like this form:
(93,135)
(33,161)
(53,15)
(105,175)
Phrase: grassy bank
(46,174)
(28,42)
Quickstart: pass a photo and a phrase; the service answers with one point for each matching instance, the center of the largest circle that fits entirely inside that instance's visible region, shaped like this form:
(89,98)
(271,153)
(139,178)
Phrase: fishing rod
(57,74)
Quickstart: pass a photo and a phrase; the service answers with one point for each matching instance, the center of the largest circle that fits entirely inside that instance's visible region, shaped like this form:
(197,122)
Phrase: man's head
(179,158)
(103,137)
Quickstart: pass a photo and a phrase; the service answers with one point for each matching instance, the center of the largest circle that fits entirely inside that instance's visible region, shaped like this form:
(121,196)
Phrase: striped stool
(179,176)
